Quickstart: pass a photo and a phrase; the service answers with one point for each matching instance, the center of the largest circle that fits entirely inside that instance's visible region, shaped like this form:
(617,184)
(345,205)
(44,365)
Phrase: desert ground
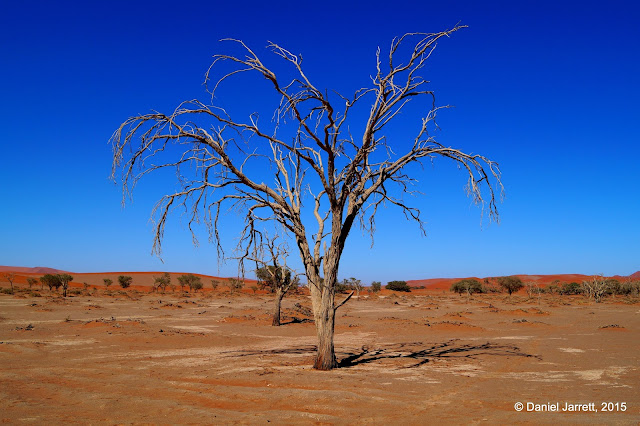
(212,357)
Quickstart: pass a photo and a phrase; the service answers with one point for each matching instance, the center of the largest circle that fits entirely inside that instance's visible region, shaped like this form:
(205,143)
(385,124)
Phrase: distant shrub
(56,281)
(235,284)
(570,288)
(6,291)
(162,282)
(398,286)
(628,288)
(107,282)
(348,285)
(215,284)
(51,281)
(468,286)
(612,286)
(532,289)
(64,280)
(511,284)
(376,286)
(191,281)
(342,287)
(125,281)
(491,289)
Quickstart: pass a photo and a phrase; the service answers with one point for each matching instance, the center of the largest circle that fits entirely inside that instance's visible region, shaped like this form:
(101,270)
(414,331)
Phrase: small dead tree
(270,258)
(311,147)
(532,290)
(595,288)
(356,285)
(9,277)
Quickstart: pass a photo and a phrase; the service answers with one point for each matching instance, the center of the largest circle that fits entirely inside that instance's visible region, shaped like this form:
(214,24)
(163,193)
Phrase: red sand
(117,358)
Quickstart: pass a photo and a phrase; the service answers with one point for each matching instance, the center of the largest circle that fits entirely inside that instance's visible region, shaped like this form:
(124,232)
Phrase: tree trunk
(322,297)
(325,320)
(276,313)
(324,314)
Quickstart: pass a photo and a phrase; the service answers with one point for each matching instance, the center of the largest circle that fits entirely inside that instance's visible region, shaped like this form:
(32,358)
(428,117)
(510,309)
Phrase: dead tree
(10,278)
(356,285)
(272,271)
(313,153)
(595,288)
(532,289)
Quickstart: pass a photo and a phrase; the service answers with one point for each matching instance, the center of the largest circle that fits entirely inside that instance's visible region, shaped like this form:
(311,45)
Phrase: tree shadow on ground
(295,320)
(423,353)
(419,353)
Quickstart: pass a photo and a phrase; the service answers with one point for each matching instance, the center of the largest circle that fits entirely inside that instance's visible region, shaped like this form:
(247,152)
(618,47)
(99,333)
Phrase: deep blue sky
(549,89)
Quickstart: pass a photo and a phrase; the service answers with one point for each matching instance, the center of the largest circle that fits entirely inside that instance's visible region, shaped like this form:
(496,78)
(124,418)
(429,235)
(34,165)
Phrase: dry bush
(595,288)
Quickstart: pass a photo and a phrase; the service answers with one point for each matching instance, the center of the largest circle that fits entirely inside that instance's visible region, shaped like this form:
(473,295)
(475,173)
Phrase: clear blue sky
(549,89)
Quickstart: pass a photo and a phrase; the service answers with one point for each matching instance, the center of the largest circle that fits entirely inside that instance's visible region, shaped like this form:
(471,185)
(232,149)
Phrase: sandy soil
(415,359)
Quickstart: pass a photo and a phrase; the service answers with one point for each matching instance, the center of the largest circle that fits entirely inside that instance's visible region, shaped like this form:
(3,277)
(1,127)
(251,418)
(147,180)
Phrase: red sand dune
(434,283)
(141,280)
(543,280)
(36,270)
